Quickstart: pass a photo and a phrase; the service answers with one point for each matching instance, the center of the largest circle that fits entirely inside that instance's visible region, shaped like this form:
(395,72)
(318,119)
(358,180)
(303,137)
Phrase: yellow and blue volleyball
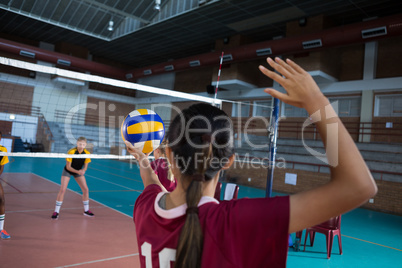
(144,129)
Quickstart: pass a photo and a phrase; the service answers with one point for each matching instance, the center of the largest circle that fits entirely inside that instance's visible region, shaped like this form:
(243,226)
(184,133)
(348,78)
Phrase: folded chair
(330,228)
(218,191)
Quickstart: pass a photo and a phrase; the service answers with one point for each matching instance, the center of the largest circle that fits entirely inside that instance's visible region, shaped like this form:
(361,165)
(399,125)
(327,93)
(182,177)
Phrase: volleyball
(144,129)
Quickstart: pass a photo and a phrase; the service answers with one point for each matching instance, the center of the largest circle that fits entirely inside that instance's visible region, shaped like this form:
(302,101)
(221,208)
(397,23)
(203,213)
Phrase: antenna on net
(219,75)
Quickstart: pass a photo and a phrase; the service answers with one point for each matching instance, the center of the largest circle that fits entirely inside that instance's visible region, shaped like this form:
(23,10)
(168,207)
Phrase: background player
(162,169)
(75,167)
(244,232)
(3,161)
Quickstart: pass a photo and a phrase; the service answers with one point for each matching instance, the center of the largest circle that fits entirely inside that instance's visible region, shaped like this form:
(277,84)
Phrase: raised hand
(301,89)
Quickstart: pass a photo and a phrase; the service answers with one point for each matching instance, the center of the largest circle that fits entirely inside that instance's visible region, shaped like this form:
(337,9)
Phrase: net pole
(219,75)
(272,146)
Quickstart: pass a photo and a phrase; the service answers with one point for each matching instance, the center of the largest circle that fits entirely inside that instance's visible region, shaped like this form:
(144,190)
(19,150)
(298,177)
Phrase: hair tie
(198,177)
(192,210)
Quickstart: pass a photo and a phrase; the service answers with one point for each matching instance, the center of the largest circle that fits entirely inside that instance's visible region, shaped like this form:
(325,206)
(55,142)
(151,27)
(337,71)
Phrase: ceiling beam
(114,10)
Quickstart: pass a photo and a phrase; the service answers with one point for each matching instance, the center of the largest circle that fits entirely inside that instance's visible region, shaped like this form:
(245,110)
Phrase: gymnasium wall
(110,114)
(389,63)
(16,98)
(23,126)
(55,101)
(388,198)
(193,80)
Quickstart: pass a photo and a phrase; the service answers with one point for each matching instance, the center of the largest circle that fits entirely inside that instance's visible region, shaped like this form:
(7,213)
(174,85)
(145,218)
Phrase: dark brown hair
(162,149)
(82,139)
(216,141)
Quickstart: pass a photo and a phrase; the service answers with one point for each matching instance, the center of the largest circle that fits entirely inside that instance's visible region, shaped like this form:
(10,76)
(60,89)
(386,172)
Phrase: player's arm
(147,173)
(70,168)
(351,182)
(84,169)
(3,160)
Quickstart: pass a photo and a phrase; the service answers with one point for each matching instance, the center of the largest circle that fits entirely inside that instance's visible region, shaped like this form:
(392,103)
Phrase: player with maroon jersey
(189,228)
(161,167)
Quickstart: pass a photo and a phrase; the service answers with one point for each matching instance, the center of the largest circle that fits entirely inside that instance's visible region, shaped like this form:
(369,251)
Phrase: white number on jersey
(165,256)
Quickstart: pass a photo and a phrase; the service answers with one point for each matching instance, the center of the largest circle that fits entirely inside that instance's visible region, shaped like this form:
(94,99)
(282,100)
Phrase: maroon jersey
(237,233)
(161,168)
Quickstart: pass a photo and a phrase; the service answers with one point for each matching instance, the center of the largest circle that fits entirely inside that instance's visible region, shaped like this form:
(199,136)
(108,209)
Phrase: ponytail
(170,173)
(217,142)
(189,248)
(162,149)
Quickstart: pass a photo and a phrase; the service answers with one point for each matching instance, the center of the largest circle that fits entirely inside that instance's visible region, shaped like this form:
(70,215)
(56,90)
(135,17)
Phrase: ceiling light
(157,6)
(110,27)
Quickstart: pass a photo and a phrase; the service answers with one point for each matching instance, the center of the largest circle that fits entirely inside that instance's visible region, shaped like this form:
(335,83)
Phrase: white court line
(89,198)
(62,155)
(107,259)
(86,175)
(117,175)
(36,210)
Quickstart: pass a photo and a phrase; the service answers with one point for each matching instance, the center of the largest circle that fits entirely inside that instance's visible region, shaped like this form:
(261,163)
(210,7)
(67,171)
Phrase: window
(262,108)
(347,106)
(388,105)
(292,111)
(241,109)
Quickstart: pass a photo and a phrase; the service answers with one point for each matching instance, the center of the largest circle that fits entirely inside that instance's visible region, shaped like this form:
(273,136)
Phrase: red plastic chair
(330,228)
(218,191)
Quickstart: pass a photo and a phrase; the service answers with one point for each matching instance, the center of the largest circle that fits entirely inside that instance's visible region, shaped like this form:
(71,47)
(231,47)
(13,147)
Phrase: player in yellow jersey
(75,167)
(3,161)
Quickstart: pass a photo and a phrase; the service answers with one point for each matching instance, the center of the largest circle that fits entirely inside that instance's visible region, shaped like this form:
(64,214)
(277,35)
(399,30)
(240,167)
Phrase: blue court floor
(369,238)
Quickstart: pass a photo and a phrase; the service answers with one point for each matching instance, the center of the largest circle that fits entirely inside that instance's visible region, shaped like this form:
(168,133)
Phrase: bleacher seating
(102,139)
(381,158)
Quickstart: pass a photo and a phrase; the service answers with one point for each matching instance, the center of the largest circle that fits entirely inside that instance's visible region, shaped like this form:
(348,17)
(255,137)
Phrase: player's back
(238,233)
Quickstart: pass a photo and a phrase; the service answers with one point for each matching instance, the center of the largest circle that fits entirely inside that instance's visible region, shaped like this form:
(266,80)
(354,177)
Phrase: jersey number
(165,256)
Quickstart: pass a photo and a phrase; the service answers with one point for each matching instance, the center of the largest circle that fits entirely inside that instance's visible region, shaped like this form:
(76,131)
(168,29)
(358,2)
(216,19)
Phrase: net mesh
(44,109)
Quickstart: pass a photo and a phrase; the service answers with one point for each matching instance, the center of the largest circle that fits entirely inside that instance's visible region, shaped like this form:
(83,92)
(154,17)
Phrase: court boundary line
(98,164)
(115,174)
(80,194)
(101,260)
(371,242)
(36,210)
(90,176)
(15,188)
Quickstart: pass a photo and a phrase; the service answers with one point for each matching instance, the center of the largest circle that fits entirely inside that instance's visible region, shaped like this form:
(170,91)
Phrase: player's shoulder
(3,149)
(150,192)
(146,199)
(72,150)
(86,151)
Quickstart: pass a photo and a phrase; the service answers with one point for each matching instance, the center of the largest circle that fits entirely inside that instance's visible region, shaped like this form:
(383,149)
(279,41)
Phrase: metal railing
(319,166)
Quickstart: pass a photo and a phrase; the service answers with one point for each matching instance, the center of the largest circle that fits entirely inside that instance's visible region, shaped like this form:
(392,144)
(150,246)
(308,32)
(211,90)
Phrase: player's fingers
(129,145)
(276,94)
(283,97)
(285,65)
(272,75)
(295,66)
(279,66)
(136,152)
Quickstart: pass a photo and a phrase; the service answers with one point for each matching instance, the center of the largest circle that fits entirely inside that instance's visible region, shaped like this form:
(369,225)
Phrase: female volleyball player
(162,169)
(189,227)
(75,167)
(3,161)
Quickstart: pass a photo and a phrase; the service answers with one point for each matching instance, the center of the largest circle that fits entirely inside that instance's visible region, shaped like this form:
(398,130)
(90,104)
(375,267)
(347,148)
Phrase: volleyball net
(44,109)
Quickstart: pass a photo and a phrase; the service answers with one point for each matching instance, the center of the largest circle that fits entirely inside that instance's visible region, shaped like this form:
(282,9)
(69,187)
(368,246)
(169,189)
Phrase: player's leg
(3,233)
(85,194)
(60,196)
